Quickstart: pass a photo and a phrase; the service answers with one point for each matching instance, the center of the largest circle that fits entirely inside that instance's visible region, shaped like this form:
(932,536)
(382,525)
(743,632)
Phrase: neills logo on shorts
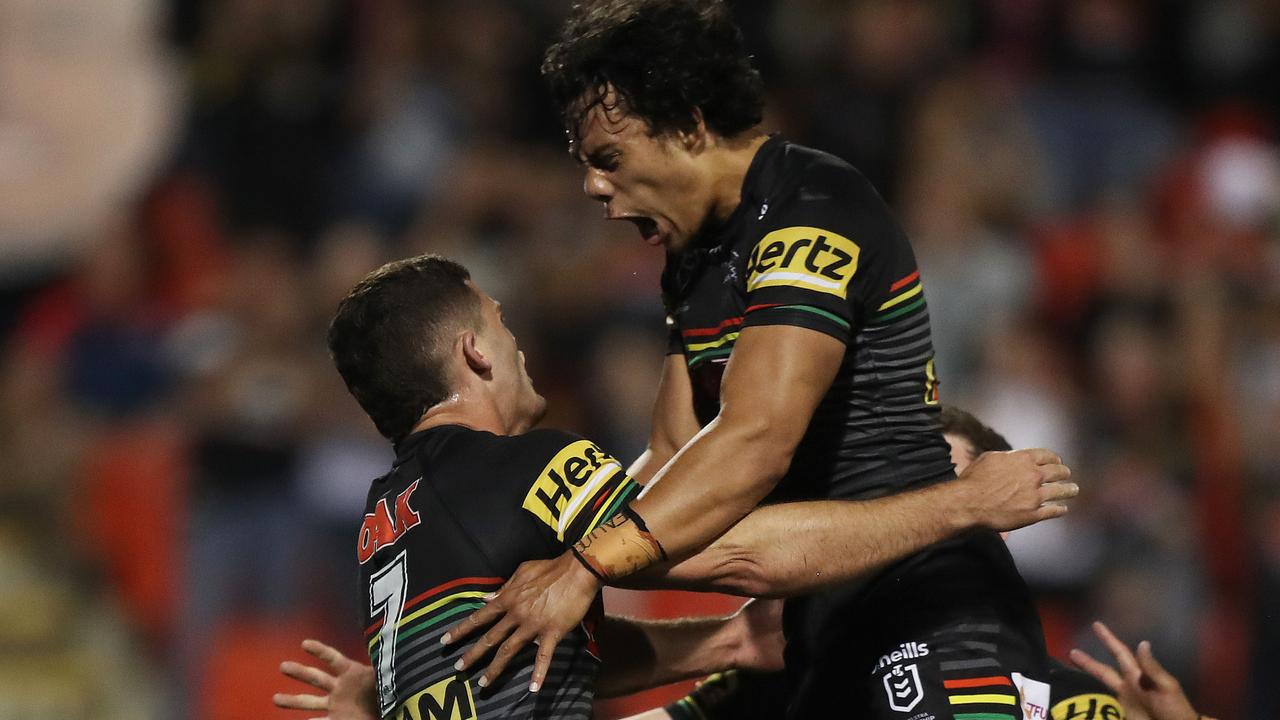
(905,651)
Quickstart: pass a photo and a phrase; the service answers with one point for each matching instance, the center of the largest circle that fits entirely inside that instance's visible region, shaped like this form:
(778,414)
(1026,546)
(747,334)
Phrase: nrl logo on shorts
(902,685)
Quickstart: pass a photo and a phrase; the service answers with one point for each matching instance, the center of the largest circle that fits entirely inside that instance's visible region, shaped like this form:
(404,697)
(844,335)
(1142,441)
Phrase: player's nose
(596,186)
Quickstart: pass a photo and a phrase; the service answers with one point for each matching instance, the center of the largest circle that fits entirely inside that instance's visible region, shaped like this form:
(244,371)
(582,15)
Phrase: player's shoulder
(810,177)
(1080,696)
(806,189)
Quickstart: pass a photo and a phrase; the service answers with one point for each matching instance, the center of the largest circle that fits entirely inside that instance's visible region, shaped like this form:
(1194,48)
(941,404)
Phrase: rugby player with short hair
(474,491)
(800,367)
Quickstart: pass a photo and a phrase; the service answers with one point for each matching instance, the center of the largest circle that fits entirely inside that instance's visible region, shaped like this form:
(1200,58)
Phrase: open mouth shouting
(648,228)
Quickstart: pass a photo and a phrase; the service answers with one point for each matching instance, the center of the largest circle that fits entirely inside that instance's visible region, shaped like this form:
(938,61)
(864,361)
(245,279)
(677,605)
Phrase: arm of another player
(1144,687)
(773,382)
(674,423)
(349,692)
(797,548)
(641,654)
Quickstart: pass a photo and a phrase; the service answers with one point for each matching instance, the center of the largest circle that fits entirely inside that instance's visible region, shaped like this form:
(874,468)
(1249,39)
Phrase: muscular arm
(673,420)
(773,383)
(797,548)
(642,654)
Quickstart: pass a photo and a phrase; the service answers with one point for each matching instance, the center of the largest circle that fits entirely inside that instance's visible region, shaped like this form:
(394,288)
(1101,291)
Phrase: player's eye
(605,162)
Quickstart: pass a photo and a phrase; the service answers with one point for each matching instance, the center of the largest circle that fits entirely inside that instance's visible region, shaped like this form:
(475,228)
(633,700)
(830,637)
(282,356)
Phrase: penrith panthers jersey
(813,245)
(451,521)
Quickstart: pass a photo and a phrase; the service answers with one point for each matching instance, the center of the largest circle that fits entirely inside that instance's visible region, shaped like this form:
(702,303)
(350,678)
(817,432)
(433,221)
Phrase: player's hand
(758,624)
(542,602)
(1145,689)
(1008,490)
(349,690)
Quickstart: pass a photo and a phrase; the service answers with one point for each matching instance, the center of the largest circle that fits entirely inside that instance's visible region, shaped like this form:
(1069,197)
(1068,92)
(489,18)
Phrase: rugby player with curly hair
(800,366)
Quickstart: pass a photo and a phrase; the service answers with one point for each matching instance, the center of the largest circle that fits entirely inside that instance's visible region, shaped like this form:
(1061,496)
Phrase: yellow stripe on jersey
(992,699)
(903,297)
(699,347)
(563,487)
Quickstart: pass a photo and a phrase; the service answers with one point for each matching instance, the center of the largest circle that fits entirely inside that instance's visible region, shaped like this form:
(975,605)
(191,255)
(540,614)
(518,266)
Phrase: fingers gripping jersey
(459,511)
(812,245)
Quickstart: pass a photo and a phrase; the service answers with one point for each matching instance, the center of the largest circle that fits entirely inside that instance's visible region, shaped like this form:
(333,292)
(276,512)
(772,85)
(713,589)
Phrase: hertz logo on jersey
(567,482)
(449,699)
(803,257)
(1091,706)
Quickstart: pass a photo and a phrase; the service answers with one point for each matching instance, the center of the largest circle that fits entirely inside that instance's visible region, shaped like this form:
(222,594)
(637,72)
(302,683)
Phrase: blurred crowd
(1092,188)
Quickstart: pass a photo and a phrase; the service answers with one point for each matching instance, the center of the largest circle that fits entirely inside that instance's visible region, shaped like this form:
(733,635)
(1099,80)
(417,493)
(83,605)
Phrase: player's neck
(469,409)
(730,162)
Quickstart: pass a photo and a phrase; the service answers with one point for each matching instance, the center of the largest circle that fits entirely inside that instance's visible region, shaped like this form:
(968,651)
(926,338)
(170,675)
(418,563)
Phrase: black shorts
(948,634)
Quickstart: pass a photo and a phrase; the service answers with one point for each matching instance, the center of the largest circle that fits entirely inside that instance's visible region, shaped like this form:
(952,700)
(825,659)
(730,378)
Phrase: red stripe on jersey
(438,590)
(977,682)
(904,281)
(753,308)
(604,495)
(699,332)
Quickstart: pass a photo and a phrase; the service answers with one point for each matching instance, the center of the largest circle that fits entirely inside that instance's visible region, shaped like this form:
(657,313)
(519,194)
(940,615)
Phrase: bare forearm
(640,654)
(797,548)
(719,477)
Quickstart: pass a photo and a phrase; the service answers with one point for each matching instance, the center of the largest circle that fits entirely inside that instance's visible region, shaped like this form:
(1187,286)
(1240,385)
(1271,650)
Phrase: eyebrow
(595,157)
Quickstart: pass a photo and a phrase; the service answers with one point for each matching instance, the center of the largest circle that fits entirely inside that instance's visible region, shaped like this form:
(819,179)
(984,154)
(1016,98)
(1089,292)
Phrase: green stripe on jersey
(899,312)
(718,352)
(816,311)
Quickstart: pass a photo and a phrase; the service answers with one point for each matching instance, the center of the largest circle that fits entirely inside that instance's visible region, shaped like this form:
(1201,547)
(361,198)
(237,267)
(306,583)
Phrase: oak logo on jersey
(803,257)
(449,699)
(1090,706)
(380,529)
(567,482)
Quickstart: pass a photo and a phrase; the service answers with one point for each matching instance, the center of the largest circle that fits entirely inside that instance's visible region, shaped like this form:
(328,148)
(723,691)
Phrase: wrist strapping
(619,547)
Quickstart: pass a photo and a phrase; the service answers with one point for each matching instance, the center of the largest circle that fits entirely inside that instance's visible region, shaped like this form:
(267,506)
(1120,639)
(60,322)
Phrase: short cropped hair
(664,59)
(983,439)
(389,338)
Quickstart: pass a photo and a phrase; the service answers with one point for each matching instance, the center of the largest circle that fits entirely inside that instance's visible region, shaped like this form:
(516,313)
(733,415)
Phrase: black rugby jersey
(451,521)
(813,245)
(744,695)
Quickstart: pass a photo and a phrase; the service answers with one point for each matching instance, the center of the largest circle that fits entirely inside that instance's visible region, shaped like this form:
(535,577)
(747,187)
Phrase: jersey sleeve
(578,487)
(819,257)
(1075,695)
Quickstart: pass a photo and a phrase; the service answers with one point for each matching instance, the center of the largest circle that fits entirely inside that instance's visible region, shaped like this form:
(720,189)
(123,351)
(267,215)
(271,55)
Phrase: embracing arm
(774,381)
(673,424)
(641,654)
(797,548)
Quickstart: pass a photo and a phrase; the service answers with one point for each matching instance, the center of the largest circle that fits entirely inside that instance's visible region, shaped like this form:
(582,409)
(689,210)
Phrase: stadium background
(187,188)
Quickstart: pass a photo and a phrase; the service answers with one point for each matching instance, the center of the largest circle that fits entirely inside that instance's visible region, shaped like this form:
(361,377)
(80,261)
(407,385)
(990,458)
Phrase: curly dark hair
(983,439)
(386,338)
(663,59)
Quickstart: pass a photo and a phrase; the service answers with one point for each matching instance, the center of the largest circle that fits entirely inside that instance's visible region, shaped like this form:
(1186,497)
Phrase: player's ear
(695,139)
(476,359)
